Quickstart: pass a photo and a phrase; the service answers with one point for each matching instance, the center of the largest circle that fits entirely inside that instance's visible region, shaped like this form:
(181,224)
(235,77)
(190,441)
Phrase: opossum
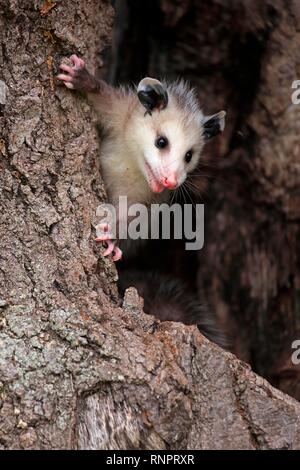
(169,299)
(154,137)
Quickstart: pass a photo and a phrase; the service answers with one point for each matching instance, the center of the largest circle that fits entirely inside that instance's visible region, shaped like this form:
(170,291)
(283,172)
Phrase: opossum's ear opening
(213,125)
(152,94)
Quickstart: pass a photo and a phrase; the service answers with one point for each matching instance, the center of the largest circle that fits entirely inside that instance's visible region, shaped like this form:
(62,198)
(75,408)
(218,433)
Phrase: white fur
(131,140)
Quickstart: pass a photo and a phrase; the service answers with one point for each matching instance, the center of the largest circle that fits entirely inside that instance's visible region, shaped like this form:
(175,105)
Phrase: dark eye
(188,156)
(161,142)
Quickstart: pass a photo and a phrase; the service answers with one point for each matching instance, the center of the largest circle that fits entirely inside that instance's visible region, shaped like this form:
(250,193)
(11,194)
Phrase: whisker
(183,194)
(195,190)
(188,194)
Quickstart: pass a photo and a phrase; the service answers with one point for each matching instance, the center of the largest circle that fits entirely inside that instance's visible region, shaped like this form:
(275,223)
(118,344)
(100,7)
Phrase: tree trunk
(76,370)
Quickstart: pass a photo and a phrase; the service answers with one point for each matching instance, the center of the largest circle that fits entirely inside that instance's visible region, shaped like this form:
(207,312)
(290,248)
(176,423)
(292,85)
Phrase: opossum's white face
(170,136)
(169,148)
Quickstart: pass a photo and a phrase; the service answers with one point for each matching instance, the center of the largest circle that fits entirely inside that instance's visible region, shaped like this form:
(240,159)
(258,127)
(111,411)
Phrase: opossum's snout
(171,181)
(159,179)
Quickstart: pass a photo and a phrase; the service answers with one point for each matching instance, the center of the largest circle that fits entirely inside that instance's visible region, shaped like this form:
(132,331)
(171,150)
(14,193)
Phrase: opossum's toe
(66,79)
(104,237)
(67,68)
(105,227)
(79,63)
(117,254)
(69,85)
(110,248)
(104,233)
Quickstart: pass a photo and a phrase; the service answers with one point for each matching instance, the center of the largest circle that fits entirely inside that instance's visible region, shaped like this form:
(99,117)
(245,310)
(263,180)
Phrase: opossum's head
(169,132)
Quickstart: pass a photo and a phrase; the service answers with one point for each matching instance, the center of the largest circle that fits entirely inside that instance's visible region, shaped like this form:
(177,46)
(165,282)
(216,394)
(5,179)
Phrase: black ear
(213,125)
(152,94)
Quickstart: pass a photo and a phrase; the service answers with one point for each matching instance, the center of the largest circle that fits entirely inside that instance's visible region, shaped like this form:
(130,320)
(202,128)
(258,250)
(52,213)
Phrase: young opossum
(169,299)
(154,137)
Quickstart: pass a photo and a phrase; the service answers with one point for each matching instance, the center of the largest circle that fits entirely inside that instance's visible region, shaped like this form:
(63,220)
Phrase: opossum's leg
(78,77)
(107,238)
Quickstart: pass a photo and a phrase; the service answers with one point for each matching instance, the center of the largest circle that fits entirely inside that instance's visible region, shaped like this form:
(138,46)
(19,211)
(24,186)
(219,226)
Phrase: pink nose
(170,182)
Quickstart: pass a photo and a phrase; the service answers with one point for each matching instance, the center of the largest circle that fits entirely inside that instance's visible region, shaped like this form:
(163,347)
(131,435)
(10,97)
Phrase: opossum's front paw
(77,77)
(112,247)
(70,78)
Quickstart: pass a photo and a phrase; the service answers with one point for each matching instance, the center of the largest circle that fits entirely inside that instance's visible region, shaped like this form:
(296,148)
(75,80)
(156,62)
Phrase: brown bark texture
(76,370)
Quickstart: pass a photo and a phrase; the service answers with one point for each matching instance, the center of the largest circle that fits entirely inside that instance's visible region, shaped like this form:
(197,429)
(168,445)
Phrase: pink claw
(110,248)
(79,63)
(105,227)
(66,79)
(117,254)
(67,68)
(105,235)
(113,248)
(104,238)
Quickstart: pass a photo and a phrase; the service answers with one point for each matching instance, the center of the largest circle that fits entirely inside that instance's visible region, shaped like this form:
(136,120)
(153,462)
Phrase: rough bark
(243,57)
(76,370)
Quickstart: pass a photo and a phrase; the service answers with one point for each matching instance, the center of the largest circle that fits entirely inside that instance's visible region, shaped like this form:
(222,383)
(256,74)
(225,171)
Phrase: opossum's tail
(169,299)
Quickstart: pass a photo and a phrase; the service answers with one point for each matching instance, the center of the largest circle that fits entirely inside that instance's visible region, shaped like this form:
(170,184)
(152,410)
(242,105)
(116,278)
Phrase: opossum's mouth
(154,183)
